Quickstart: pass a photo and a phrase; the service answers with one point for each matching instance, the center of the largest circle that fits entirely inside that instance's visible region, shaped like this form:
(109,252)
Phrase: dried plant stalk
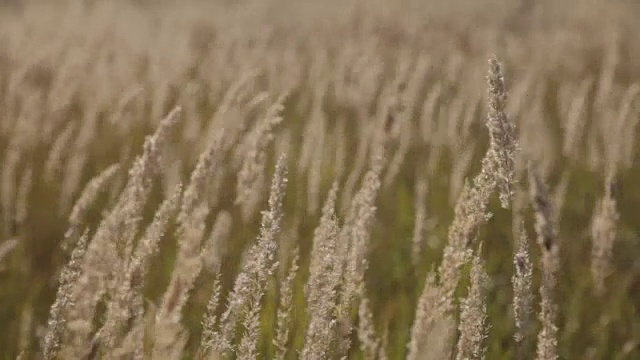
(497,171)
(211,342)
(127,302)
(473,315)
(603,235)
(431,332)
(97,277)
(420,219)
(284,309)
(522,287)
(354,239)
(324,278)
(547,239)
(251,175)
(501,132)
(89,194)
(63,302)
(369,342)
(244,299)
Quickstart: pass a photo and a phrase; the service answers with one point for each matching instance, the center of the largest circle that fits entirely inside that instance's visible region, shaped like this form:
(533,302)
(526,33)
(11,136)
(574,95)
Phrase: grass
(252,113)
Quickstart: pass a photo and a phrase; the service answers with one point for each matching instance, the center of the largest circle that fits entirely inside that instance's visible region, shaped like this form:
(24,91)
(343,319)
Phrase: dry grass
(319,180)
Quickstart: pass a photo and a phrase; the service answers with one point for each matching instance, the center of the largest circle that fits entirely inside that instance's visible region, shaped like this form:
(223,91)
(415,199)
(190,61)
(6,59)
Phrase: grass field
(319,179)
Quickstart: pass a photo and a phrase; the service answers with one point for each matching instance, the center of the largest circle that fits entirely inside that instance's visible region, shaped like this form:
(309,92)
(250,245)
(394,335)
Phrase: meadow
(319,179)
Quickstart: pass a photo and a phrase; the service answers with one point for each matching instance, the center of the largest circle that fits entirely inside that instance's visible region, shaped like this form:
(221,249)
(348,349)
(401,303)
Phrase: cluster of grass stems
(286,180)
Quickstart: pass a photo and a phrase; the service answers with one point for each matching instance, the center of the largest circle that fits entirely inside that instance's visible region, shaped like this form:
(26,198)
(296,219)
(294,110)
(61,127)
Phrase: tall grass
(289,179)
